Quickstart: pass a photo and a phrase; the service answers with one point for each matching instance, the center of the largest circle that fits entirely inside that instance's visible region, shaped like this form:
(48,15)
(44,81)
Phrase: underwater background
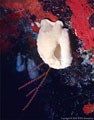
(66,93)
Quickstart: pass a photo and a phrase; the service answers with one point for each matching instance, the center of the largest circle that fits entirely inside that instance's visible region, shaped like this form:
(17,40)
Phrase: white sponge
(53,44)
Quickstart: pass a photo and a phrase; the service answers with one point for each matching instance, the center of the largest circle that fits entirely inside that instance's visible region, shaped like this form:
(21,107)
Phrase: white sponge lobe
(53,44)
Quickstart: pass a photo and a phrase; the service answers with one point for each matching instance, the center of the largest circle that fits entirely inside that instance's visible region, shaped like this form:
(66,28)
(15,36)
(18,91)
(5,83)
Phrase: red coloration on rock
(35,28)
(92,59)
(81,13)
(36,8)
(33,6)
(14,17)
(88,108)
(20,6)
(8,28)
(17,6)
